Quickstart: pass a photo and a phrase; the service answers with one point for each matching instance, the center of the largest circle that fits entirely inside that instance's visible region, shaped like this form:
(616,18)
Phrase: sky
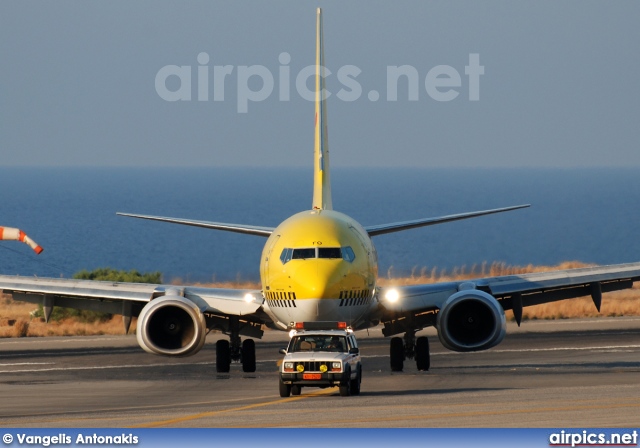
(79,83)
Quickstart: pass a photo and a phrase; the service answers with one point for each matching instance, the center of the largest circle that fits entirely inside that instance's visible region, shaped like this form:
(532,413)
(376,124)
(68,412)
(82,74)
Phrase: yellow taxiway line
(187,418)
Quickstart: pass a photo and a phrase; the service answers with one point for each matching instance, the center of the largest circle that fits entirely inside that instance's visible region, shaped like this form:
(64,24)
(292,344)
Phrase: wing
(128,299)
(405,225)
(419,304)
(238,228)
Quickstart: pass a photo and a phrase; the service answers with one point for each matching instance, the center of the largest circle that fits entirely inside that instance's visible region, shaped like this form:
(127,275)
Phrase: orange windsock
(11,234)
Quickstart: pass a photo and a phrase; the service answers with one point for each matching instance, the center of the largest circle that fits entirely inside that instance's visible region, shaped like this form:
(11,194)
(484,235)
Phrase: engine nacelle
(171,326)
(471,320)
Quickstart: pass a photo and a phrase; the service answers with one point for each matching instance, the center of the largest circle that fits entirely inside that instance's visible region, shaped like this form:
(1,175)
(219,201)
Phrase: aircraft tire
(248,355)
(423,361)
(396,354)
(223,356)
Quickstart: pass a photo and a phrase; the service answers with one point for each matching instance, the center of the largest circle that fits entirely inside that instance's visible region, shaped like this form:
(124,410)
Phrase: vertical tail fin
(321,181)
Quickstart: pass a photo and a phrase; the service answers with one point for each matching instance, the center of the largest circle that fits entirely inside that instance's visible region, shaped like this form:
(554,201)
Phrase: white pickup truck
(321,358)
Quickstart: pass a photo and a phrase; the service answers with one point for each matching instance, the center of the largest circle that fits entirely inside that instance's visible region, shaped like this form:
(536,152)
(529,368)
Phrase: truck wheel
(248,355)
(223,356)
(355,384)
(396,354)
(285,389)
(296,390)
(422,353)
(345,388)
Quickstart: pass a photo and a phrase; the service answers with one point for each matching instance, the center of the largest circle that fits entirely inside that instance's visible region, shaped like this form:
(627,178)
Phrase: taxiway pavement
(574,373)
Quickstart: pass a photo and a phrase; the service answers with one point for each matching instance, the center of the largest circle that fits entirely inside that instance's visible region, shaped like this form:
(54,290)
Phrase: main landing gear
(235,350)
(410,348)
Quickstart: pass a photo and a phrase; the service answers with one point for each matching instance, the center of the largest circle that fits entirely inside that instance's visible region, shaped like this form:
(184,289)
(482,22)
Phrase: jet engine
(172,326)
(471,320)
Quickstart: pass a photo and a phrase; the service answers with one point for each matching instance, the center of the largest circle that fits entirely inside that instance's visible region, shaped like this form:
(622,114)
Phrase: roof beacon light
(330,325)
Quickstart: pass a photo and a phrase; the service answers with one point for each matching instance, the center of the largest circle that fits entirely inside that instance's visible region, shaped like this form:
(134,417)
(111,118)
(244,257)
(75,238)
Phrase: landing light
(392,295)
(249,298)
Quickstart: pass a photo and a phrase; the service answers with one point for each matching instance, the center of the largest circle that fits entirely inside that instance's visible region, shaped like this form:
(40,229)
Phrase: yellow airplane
(319,266)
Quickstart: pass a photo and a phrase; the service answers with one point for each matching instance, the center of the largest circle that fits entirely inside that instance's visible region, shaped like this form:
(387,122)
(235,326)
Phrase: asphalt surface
(578,373)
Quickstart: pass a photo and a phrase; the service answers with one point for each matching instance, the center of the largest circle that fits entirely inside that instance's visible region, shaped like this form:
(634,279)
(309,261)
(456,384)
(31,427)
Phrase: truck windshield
(317,343)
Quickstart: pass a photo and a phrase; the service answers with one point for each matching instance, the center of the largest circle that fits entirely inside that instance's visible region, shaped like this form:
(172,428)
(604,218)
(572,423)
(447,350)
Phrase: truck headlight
(288,367)
(336,366)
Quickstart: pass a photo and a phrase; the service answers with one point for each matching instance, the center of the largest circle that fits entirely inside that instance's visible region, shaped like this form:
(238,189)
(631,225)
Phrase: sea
(588,215)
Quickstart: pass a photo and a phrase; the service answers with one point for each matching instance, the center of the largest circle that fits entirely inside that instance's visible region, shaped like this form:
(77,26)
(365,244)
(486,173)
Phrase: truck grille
(313,366)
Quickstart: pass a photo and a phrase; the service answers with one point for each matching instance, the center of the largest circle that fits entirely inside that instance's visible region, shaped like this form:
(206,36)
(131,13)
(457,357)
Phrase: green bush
(113,275)
(100,274)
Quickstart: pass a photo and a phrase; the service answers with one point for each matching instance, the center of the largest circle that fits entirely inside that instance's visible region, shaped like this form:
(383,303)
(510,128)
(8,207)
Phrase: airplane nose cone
(319,279)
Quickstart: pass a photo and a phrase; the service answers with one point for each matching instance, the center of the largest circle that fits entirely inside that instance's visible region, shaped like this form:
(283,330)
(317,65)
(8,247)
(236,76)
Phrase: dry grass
(433,275)
(246,284)
(16,321)
(619,303)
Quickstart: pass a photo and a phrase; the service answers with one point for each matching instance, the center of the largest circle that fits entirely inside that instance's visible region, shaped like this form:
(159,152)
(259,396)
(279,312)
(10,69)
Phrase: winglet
(321,181)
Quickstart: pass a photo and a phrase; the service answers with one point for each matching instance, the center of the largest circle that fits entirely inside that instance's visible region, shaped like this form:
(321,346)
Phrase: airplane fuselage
(319,265)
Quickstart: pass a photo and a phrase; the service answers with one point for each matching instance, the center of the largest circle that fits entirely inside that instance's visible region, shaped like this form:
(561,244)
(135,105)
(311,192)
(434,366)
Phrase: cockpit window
(346,253)
(285,255)
(329,252)
(304,253)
